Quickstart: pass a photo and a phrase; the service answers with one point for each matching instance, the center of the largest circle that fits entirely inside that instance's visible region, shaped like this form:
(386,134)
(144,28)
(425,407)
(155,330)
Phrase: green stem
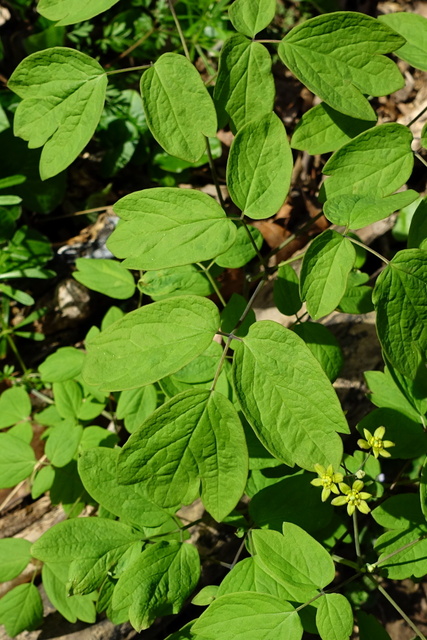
(364,246)
(213,283)
(347,563)
(17,354)
(322,593)
(178,28)
(139,68)
(394,553)
(295,235)
(293,259)
(269,41)
(398,609)
(420,158)
(356,537)
(253,243)
(416,117)
(214,173)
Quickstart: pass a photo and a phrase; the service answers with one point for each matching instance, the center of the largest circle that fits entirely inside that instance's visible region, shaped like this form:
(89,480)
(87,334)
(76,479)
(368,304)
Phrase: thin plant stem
(394,553)
(178,28)
(420,158)
(214,173)
(16,353)
(48,400)
(416,117)
(16,489)
(356,537)
(136,44)
(253,243)
(322,593)
(388,597)
(231,336)
(239,550)
(295,235)
(293,259)
(347,563)
(138,68)
(77,213)
(364,246)
(268,41)
(213,283)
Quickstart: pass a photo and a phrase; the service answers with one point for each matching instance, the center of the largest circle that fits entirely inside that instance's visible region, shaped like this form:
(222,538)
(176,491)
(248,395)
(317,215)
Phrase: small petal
(379,433)
(344,488)
(363,507)
(337,477)
(384,454)
(388,443)
(320,469)
(325,494)
(338,502)
(376,453)
(358,485)
(334,489)
(364,495)
(363,444)
(330,470)
(317,482)
(368,434)
(350,508)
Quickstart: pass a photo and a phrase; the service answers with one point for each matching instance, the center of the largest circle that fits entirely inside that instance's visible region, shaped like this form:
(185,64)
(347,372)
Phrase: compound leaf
(249,616)
(150,343)
(90,546)
(259,167)
(358,167)
(244,89)
(400,297)
(73,608)
(63,93)
(338,57)
(251,16)
(65,12)
(169,227)
(21,609)
(194,438)
(157,584)
(334,617)
(323,129)
(324,272)
(287,398)
(105,276)
(178,107)
(413,28)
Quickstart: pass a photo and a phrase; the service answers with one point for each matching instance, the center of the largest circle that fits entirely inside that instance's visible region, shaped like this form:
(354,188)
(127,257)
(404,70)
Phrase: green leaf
(384,392)
(68,398)
(323,129)
(206,595)
(231,314)
(73,608)
(400,302)
(294,559)
(251,16)
(339,57)
(323,345)
(17,460)
(259,167)
(351,167)
(135,405)
(63,442)
(42,482)
(105,276)
(424,136)
(249,616)
(243,250)
(287,398)
(286,290)
(90,546)
(423,489)
(357,297)
(176,281)
(411,562)
(14,557)
(97,469)
(157,584)
(65,12)
(369,627)
(357,211)
(15,406)
(249,575)
(169,227)
(413,28)
(324,272)
(63,93)
(97,437)
(194,438)
(417,238)
(23,431)
(334,617)
(21,609)
(178,107)
(150,343)
(19,296)
(244,89)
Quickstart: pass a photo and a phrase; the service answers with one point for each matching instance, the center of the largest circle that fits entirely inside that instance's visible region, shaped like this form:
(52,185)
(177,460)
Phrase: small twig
(417,116)
(138,68)
(213,283)
(356,537)
(214,173)
(367,248)
(178,28)
(420,158)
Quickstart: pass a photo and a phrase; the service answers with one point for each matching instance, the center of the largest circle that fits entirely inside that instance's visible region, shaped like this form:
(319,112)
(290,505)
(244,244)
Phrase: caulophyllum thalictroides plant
(252,412)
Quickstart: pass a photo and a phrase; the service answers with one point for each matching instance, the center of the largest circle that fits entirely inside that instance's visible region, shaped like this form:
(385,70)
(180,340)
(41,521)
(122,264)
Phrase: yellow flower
(354,497)
(327,479)
(376,442)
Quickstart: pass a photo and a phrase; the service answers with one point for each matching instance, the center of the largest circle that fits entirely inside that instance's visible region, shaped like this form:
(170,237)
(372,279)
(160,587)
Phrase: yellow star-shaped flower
(354,497)
(327,479)
(376,442)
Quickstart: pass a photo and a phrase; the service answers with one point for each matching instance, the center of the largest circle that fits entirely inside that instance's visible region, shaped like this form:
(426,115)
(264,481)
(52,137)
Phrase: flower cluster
(328,480)
(353,496)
